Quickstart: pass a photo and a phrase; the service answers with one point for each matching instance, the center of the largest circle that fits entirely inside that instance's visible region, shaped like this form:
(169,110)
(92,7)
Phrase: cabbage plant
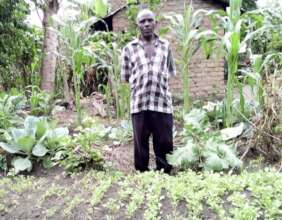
(204,148)
(29,142)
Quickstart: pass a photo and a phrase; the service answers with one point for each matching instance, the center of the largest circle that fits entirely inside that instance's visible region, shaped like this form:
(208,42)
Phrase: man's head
(146,21)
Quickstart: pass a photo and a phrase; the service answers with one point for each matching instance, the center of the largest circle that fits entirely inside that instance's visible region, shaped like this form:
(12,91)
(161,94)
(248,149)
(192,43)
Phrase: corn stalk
(231,22)
(75,52)
(231,46)
(118,93)
(75,37)
(188,35)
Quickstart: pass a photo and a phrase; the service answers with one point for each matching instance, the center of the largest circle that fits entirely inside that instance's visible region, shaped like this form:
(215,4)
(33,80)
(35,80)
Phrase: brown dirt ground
(121,158)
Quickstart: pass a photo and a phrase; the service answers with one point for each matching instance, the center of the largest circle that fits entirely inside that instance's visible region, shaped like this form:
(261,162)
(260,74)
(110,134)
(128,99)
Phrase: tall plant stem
(232,70)
(186,97)
(77,98)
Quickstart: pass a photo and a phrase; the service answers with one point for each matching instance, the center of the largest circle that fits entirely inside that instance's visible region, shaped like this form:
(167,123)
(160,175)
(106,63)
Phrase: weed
(73,203)
(22,184)
(103,185)
(50,212)
(113,205)
(54,190)
(3,209)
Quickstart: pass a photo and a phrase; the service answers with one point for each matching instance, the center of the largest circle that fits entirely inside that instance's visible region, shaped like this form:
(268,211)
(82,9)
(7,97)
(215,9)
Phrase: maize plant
(188,35)
(74,35)
(107,54)
(232,46)
(76,55)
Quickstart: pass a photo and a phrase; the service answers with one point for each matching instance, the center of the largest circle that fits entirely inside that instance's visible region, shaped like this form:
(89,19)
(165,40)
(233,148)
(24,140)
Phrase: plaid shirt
(148,78)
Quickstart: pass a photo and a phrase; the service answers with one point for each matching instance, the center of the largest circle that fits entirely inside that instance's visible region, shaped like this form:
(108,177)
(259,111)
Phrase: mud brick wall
(206,75)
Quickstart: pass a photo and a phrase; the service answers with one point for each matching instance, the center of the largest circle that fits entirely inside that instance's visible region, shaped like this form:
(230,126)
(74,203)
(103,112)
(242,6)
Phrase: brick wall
(206,76)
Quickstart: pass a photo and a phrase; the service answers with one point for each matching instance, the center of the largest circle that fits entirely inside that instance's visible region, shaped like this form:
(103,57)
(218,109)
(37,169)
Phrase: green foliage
(104,183)
(101,8)
(231,43)
(266,79)
(76,54)
(187,31)
(131,1)
(239,31)
(123,133)
(19,45)
(85,149)
(107,57)
(75,51)
(106,47)
(249,5)
(204,149)
(40,102)
(189,195)
(30,141)
(9,106)
(81,152)
(99,52)
(265,59)
(87,9)
(270,40)
(3,163)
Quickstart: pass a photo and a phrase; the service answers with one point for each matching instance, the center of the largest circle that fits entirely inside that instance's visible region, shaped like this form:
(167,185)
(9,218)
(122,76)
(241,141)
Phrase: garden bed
(151,195)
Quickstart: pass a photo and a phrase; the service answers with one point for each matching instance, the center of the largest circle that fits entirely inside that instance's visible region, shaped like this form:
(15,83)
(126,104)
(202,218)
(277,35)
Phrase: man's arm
(125,65)
(170,64)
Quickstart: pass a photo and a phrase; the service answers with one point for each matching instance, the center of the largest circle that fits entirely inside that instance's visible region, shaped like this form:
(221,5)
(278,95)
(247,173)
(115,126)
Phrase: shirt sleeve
(170,64)
(125,65)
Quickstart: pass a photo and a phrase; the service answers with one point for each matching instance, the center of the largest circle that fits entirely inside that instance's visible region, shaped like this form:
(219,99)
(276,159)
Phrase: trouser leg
(162,125)
(141,133)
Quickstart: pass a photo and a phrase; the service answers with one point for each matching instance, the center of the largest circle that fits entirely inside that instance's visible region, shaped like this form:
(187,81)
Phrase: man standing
(147,64)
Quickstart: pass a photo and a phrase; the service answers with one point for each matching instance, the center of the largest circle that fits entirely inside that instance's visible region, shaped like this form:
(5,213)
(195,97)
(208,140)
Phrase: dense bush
(19,45)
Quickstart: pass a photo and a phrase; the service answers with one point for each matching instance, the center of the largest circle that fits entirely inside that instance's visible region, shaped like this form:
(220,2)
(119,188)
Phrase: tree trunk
(50,45)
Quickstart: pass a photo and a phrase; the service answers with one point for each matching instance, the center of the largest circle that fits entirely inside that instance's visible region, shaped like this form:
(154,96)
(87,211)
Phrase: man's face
(146,24)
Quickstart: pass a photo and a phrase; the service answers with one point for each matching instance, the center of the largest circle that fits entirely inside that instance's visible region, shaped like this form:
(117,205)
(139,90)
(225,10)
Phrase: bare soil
(121,158)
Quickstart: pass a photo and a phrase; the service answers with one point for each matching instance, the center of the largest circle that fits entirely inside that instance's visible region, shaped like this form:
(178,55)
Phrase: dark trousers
(160,126)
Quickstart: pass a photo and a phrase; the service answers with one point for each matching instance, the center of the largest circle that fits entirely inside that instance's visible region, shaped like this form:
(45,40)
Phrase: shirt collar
(140,42)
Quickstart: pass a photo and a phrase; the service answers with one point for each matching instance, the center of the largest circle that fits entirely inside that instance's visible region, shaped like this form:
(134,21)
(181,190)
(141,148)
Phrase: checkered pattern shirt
(148,78)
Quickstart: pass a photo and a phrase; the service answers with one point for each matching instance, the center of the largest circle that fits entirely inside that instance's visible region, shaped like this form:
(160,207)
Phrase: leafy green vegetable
(184,157)
(40,102)
(195,119)
(205,148)
(31,141)
(21,164)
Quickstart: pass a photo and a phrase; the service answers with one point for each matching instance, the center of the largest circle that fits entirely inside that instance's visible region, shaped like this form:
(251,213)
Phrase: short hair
(145,11)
